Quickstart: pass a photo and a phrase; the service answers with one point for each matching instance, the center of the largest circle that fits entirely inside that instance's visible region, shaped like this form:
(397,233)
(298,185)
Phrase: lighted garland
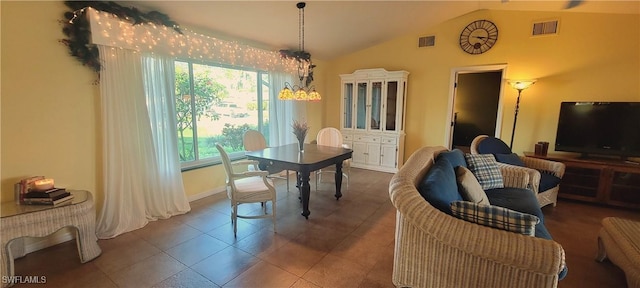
(76,27)
(78,32)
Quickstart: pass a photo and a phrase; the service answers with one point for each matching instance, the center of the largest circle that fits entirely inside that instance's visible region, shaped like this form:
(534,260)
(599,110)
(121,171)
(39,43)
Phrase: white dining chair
(253,141)
(248,187)
(332,137)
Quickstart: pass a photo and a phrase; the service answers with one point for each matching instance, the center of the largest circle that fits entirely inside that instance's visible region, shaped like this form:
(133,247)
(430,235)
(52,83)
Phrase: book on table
(53,193)
(42,198)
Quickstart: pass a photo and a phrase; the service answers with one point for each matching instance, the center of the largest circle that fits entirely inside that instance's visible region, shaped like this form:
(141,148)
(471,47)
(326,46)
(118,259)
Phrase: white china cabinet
(372,121)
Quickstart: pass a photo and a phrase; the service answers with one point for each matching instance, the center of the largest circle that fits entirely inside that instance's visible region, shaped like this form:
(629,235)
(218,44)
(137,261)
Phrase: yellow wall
(594,57)
(50,108)
(50,121)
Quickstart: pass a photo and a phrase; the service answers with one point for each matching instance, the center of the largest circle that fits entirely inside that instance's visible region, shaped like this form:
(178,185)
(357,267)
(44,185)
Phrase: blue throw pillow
(439,186)
(548,181)
(512,159)
(455,157)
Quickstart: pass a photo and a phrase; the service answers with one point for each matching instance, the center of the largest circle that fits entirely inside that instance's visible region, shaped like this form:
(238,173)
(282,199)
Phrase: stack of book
(52,196)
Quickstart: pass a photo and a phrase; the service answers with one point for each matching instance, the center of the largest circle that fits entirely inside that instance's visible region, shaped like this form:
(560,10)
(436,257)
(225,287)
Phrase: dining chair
(253,140)
(248,187)
(332,137)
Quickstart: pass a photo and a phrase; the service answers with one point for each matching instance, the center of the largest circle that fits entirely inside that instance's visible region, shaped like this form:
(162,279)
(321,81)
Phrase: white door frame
(452,95)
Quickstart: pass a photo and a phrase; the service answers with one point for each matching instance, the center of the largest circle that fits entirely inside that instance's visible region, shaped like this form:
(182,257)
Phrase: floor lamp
(518,85)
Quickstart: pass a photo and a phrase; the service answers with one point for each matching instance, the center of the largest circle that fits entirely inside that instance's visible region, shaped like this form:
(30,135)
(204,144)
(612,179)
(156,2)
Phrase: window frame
(215,160)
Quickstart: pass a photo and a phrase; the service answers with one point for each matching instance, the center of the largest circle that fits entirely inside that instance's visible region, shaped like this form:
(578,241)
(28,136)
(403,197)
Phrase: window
(217,104)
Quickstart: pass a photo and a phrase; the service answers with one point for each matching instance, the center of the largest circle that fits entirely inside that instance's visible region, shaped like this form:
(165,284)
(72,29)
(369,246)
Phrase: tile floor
(345,243)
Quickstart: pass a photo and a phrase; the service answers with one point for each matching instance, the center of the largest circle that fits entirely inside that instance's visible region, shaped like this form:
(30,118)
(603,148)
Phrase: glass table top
(8,209)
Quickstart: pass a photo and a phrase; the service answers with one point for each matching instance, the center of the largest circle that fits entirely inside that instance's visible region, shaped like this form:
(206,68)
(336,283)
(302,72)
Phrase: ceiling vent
(545,28)
(427,41)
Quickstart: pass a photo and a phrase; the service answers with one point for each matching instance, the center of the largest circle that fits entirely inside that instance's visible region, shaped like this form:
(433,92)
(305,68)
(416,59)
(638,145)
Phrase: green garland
(78,32)
(300,56)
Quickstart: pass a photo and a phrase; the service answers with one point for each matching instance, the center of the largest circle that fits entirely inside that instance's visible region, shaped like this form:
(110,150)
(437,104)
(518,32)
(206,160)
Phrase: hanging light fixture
(303,91)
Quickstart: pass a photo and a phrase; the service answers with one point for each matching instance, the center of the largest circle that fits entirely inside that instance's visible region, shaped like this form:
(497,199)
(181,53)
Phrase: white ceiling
(336,28)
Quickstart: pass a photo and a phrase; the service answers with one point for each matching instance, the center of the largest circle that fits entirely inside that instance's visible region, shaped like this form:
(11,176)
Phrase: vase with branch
(300,129)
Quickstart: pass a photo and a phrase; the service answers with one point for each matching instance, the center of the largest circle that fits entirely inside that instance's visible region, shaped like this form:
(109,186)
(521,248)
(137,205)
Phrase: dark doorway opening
(476,106)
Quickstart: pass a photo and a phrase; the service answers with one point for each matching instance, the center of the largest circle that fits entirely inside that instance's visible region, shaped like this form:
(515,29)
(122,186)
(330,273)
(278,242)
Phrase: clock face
(478,37)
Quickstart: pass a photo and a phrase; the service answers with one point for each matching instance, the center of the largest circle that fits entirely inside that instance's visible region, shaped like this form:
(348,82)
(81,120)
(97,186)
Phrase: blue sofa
(440,188)
(435,249)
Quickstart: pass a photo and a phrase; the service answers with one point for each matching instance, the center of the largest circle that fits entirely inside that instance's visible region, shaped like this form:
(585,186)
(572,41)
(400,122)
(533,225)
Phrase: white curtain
(141,174)
(168,197)
(281,113)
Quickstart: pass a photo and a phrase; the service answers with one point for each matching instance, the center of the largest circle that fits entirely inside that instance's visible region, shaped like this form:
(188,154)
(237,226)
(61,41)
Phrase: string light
(76,14)
(111,31)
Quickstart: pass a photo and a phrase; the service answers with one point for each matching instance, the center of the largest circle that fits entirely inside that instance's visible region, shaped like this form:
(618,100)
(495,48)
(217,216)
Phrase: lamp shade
(300,95)
(285,94)
(521,84)
(314,96)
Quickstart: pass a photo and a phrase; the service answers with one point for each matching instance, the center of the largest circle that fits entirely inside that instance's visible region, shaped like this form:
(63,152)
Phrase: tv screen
(606,128)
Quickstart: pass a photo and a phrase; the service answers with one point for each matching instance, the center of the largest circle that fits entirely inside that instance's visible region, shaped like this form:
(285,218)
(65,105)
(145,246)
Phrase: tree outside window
(215,105)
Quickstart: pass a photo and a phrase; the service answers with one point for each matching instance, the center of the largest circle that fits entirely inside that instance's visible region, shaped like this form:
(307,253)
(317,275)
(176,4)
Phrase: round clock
(478,37)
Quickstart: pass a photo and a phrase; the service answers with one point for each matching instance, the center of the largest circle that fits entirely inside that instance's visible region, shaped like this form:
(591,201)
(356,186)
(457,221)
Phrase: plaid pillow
(486,170)
(495,217)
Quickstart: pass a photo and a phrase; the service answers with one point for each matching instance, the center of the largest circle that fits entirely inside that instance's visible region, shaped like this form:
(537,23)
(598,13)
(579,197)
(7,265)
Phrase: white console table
(19,221)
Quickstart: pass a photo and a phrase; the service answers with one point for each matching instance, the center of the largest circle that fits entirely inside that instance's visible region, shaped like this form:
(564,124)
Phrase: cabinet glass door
(376,105)
(392,102)
(361,106)
(348,106)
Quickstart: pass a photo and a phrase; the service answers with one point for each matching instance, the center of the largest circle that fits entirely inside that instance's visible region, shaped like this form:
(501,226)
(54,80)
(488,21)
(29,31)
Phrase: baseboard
(211,192)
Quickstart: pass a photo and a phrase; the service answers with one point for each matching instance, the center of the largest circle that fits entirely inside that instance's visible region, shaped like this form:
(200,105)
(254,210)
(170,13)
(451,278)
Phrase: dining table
(304,161)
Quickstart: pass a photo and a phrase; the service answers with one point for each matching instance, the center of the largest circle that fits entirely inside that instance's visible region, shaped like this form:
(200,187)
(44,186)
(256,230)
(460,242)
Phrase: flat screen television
(603,128)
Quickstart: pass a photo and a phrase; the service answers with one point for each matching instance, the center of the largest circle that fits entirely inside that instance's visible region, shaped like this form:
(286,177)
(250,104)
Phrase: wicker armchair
(433,249)
(549,196)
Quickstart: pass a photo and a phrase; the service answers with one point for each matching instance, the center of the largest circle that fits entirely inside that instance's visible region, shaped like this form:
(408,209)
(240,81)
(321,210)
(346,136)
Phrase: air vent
(427,41)
(545,28)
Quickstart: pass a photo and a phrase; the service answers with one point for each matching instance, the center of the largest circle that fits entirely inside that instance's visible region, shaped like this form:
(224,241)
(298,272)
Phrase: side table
(17,221)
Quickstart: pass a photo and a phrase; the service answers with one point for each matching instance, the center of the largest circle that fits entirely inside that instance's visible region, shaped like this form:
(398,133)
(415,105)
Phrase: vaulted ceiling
(337,28)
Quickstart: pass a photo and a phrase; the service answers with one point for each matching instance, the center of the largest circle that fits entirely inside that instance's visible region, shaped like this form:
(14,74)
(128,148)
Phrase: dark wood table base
(314,157)
(305,188)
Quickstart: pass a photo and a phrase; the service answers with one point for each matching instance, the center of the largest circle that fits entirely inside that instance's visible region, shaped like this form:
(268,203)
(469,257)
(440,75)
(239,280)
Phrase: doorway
(476,104)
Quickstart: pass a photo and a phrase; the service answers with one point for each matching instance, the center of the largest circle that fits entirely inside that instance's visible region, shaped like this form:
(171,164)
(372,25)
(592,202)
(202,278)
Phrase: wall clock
(478,37)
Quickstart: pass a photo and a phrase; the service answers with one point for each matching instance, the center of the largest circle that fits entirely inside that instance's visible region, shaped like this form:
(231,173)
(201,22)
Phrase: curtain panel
(142,179)
(281,113)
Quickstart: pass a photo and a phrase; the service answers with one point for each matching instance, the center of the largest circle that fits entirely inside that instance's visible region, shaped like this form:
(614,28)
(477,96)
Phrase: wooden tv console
(598,180)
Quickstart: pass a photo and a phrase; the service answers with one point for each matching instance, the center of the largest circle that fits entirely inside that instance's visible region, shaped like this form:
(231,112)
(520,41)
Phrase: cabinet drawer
(347,138)
(362,138)
(389,140)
